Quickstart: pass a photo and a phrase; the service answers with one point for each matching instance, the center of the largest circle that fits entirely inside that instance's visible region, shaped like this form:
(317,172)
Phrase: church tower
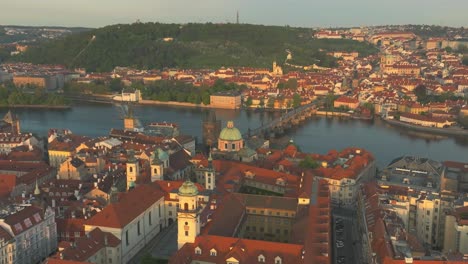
(133,170)
(13,121)
(188,214)
(129,120)
(211,129)
(210,175)
(157,167)
(277,70)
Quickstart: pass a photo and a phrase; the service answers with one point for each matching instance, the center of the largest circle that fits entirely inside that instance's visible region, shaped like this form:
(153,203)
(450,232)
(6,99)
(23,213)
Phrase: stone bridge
(288,120)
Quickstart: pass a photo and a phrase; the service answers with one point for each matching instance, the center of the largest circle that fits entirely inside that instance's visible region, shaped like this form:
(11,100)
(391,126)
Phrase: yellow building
(227,100)
(38,81)
(402,69)
(72,169)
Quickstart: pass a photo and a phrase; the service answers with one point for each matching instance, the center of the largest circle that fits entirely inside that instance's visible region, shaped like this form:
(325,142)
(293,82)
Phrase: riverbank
(60,107)
(171,103)
(433,130)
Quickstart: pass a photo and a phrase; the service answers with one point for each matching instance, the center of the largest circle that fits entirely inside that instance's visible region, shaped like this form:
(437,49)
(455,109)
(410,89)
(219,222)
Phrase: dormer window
(213,252)
(278,260)
(261,258)
(198,251)
(280,181)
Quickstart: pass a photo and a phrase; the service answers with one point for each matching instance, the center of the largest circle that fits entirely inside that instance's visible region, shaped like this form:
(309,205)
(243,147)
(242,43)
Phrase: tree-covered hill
(192,46)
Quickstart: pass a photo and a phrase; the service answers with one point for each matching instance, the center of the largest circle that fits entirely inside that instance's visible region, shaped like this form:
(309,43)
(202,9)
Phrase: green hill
(193,46)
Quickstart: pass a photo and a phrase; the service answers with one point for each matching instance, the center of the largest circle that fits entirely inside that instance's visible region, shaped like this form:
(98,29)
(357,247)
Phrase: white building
(134,96)
(10,141)
(27,235)
(456,231)
(135,219)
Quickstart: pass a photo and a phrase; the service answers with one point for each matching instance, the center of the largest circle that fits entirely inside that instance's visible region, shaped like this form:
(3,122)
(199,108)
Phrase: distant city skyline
(303,13)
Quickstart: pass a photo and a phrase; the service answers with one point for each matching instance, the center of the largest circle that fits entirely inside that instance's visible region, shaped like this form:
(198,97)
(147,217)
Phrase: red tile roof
(244,250)
(129,206)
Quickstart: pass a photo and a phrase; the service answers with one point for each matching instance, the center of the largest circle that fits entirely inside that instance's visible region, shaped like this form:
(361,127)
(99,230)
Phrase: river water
(318,135)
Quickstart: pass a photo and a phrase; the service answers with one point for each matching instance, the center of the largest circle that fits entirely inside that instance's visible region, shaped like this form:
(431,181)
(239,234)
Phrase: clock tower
(188,214)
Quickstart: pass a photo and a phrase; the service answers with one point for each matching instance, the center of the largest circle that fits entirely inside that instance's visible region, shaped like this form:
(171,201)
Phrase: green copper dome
(230,133)
(188,188)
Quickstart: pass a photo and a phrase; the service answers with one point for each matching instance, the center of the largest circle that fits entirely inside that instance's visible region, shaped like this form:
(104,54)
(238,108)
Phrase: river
(318,135)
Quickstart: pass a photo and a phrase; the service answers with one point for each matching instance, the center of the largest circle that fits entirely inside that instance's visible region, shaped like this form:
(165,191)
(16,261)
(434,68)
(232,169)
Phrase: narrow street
(351,250)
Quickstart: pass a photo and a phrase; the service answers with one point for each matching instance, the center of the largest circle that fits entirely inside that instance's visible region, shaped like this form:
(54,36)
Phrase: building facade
(29,235)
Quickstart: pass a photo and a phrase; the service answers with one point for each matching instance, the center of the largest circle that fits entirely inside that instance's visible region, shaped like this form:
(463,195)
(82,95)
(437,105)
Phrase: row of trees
(10,95)
(424,97)
(184,92)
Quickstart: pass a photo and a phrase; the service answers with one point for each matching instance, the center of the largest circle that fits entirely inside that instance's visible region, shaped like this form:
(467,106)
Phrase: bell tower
(188,214)
(157,167)
(210,174)
(133,170)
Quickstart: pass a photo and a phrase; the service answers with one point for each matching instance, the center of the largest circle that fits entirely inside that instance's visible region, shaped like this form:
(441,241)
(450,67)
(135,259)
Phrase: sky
(304,13)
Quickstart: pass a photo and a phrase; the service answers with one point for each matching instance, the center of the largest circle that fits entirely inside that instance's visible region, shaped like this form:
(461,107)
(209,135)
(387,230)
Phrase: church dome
(230,133)
(188,188)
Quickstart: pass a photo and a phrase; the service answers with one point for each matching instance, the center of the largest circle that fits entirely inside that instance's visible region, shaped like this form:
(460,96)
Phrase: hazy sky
(308,13)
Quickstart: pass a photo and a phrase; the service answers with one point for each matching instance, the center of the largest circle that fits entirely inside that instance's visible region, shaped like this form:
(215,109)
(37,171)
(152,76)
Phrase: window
(126,238)
(186,206)
(155,171)
(198,251)
(261,258)
(209,180)
(130,169)
(149,218)
(138,228)
(186,233)
(278,260)
(213,252)
(233,146)
(225,145)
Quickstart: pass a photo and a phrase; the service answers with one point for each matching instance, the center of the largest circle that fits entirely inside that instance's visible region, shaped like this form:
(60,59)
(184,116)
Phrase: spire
(37,191)
(210,160)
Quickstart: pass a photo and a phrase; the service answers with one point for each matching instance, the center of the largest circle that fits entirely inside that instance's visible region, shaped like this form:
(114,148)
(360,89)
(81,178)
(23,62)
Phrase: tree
(421,92)
(308,163)
(296,100)
(115,85)
(205,98)
(463,120)
(271,102)
(148,259)
(292,84)
(248,102)
(370,107)
(262,102)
